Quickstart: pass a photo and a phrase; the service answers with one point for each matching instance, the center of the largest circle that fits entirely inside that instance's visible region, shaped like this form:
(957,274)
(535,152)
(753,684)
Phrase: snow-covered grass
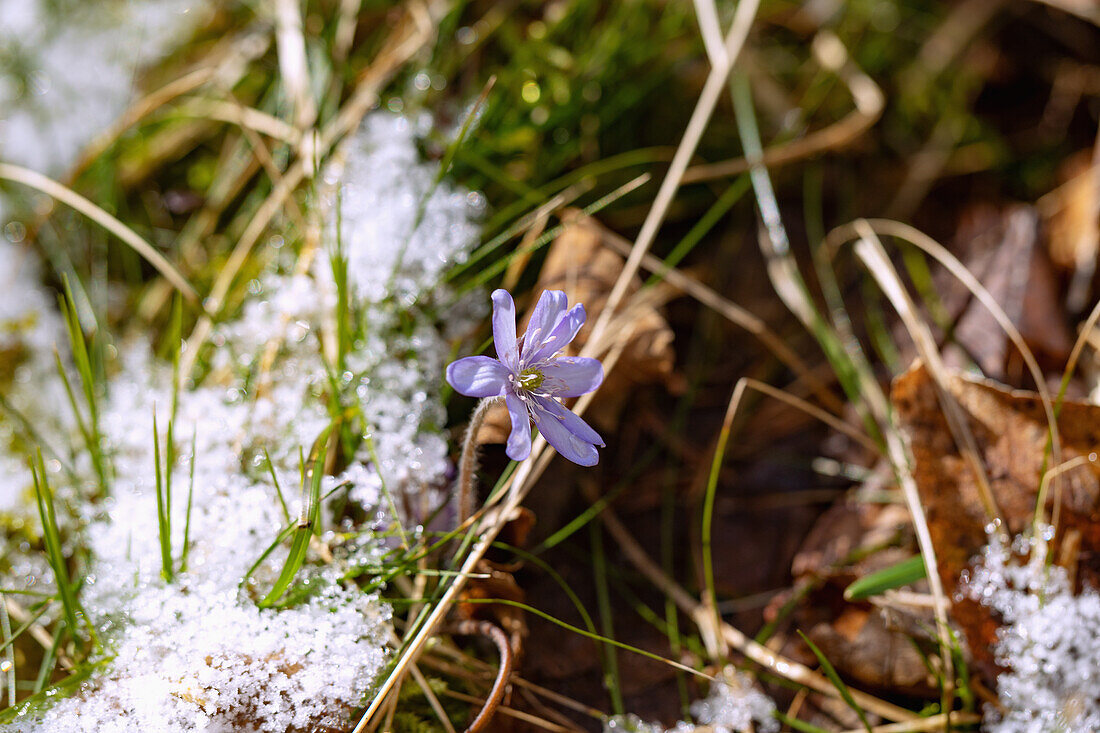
(197,653)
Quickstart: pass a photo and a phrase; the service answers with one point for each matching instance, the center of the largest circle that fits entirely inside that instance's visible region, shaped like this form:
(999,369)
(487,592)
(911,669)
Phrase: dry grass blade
(138,111)
(938,252)
(813,411)
(735,314)
(880,266)
(932,722)
(487,672)
(345,29)
(512,713)
(951,37)
(437,707)
(37,631)
(832,55)
(237,114)
(870,250)
(225,66)
(700,117)
(293,68)
(708,616)
(412,32)
(67,196)
(267,161)
(709,28)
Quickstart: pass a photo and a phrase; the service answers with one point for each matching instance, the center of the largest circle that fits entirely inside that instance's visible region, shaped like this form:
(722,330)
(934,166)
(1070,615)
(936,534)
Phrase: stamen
(530,379)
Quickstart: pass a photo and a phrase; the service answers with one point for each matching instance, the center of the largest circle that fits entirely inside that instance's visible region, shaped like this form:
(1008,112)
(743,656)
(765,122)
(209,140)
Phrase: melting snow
(1049,642)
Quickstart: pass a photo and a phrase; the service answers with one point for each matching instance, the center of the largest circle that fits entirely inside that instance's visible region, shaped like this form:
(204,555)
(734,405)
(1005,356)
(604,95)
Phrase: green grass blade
(9,651)
(587,634)
(46,697)
(11,637)
(797,724)
(278,488)
(175,341)
(707,221)
(89,429)
(556,577)
(830,672)
(303,531)
(48,660)
(368,439)
(164,527)
(52,539)
(897,575)
(612,682)
(190,495)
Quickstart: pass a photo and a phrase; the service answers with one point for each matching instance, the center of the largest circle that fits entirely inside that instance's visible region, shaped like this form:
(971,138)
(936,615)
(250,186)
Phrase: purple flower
(533,379)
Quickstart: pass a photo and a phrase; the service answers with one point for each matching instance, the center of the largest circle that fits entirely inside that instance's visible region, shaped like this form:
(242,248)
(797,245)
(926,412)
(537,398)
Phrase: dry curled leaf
(1010,430)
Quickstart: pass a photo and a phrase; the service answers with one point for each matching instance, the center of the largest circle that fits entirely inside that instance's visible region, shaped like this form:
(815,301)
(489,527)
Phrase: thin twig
(495,634)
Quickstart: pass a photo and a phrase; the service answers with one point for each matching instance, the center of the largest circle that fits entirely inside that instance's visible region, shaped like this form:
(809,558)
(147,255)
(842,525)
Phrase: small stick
(500,639)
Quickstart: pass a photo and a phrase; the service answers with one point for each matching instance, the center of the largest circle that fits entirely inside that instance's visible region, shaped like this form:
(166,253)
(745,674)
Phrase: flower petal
(571,420)
(478,376)
(519,440)
(564,331)
(548,311)
(569,435)
(504,329)
(571,376)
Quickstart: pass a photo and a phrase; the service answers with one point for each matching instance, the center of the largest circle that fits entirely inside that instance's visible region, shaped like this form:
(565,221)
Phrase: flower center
(530,379)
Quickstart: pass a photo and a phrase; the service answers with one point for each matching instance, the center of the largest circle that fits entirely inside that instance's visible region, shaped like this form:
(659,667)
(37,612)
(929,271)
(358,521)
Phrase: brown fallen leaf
(871,646)
(1002,248)
(1010,429)
(579,264)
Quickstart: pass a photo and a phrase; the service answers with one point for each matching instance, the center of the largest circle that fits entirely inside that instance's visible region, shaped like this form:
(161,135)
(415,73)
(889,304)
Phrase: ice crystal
(733,705)
(1049,641)
(401,230)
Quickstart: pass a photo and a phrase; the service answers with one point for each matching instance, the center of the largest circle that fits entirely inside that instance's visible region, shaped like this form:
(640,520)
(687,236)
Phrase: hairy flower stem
(467,465)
